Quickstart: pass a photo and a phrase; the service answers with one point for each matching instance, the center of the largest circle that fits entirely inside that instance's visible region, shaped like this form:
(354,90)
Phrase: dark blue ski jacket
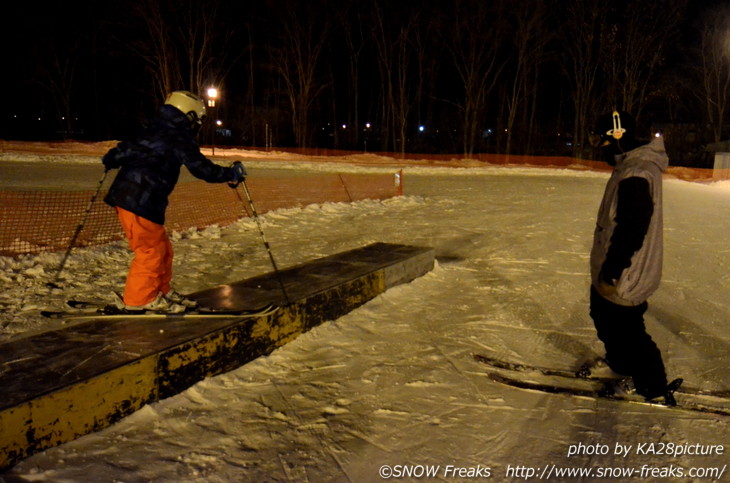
(150,165)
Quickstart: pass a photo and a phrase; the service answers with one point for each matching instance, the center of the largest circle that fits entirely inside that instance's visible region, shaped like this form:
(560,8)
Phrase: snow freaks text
(668,470)
(434,471)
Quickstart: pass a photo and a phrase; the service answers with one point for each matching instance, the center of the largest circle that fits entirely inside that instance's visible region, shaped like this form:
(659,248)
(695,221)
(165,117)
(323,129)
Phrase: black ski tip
(669,399)
(675,384)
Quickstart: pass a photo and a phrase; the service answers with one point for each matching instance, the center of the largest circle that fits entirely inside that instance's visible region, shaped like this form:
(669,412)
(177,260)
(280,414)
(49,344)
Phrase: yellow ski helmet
(189,104)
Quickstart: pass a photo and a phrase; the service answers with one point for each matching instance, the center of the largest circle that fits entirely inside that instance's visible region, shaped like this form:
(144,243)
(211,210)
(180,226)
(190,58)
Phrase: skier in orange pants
(149,169)
(151,269)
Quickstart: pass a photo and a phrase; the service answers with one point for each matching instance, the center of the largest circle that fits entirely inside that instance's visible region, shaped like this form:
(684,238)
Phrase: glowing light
(212,96)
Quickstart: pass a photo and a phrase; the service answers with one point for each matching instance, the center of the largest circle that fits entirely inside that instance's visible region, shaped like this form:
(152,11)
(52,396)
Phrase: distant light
(219,122)
(212,96)
(344,126)
(657,135)
(367,125)
(421,128)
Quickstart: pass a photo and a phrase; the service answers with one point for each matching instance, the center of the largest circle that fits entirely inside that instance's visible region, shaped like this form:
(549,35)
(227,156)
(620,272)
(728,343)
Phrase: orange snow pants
(151,268)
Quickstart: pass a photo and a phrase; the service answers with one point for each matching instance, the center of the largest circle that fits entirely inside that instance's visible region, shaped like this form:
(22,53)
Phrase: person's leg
(166,274)
(650,377)
(629,349)
(152,258)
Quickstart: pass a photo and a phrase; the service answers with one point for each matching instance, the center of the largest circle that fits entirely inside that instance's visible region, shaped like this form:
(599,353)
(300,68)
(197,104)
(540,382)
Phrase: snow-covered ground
(391,388)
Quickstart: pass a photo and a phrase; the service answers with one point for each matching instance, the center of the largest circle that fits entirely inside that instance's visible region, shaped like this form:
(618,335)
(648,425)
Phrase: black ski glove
(607,283)
(110,160)
(239,174)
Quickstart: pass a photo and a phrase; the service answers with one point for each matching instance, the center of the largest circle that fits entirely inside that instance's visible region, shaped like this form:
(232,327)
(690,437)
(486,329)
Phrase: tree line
(458,76)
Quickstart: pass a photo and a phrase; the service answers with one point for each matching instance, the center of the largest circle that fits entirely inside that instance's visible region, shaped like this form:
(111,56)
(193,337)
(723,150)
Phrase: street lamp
(367,135)
(212,96)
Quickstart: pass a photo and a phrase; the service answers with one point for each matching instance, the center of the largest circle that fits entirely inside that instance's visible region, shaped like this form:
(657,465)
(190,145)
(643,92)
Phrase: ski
(89,310)
(579,374)
(597,390)
(84,304)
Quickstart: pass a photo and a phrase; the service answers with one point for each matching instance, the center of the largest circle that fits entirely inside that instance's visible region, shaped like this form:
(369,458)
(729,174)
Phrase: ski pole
(75,236)
(263,237)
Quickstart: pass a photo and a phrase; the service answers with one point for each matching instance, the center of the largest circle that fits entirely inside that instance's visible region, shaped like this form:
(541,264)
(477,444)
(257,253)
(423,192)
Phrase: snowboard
(558,381)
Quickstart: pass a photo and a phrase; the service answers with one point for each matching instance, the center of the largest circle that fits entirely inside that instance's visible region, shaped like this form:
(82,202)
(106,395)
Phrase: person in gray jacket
(626,258)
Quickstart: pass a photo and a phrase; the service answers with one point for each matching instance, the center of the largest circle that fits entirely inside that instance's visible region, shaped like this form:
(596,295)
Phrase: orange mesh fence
(37,221)
(40,221)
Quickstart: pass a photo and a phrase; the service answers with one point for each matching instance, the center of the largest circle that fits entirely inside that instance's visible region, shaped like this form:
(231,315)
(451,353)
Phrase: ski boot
(176,297)
(668,393)
(597,369)
(160,305)
(622,387)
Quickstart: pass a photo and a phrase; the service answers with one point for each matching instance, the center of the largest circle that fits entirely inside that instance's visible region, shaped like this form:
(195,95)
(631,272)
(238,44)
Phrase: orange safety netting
(39,221)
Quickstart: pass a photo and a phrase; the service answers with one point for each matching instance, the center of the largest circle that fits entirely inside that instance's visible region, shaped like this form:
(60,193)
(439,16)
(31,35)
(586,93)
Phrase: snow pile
(392,386)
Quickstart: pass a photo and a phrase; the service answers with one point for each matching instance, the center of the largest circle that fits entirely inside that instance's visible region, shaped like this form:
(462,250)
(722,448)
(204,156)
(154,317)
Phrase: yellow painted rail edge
(92,403)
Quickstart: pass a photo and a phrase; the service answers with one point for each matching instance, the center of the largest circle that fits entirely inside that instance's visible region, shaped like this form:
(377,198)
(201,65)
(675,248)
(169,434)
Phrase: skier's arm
(633,215)
(202,167)
(116,156)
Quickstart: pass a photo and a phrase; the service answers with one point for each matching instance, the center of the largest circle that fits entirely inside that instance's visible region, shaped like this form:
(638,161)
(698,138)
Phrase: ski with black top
(581,373)
(566,382)
(598,391)
(88,310)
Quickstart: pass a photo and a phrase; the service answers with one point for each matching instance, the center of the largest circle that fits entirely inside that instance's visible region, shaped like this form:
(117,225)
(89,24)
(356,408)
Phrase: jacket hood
(653,153)
(174,116)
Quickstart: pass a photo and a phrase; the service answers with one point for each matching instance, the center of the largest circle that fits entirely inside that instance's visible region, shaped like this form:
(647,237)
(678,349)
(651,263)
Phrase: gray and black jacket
(627,244)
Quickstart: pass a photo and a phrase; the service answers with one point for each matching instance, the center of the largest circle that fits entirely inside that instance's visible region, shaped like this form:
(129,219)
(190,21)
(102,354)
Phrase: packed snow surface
(391,389)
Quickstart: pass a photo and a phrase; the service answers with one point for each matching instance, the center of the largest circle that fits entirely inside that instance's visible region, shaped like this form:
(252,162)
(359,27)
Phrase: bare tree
(186,45)
(353,29)
(530,38)
(714,70)
(388,44)
(478,33)
(581,35)
(199,29)
(59,53)
(635,48)
(304,31)
(157,48)
(56,75)
(405,81)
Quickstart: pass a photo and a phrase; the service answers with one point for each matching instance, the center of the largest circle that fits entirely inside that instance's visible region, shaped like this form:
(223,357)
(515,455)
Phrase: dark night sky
(112,90)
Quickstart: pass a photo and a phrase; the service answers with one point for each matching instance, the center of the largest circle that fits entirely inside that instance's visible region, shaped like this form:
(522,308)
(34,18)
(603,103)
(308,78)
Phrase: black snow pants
(630,351)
